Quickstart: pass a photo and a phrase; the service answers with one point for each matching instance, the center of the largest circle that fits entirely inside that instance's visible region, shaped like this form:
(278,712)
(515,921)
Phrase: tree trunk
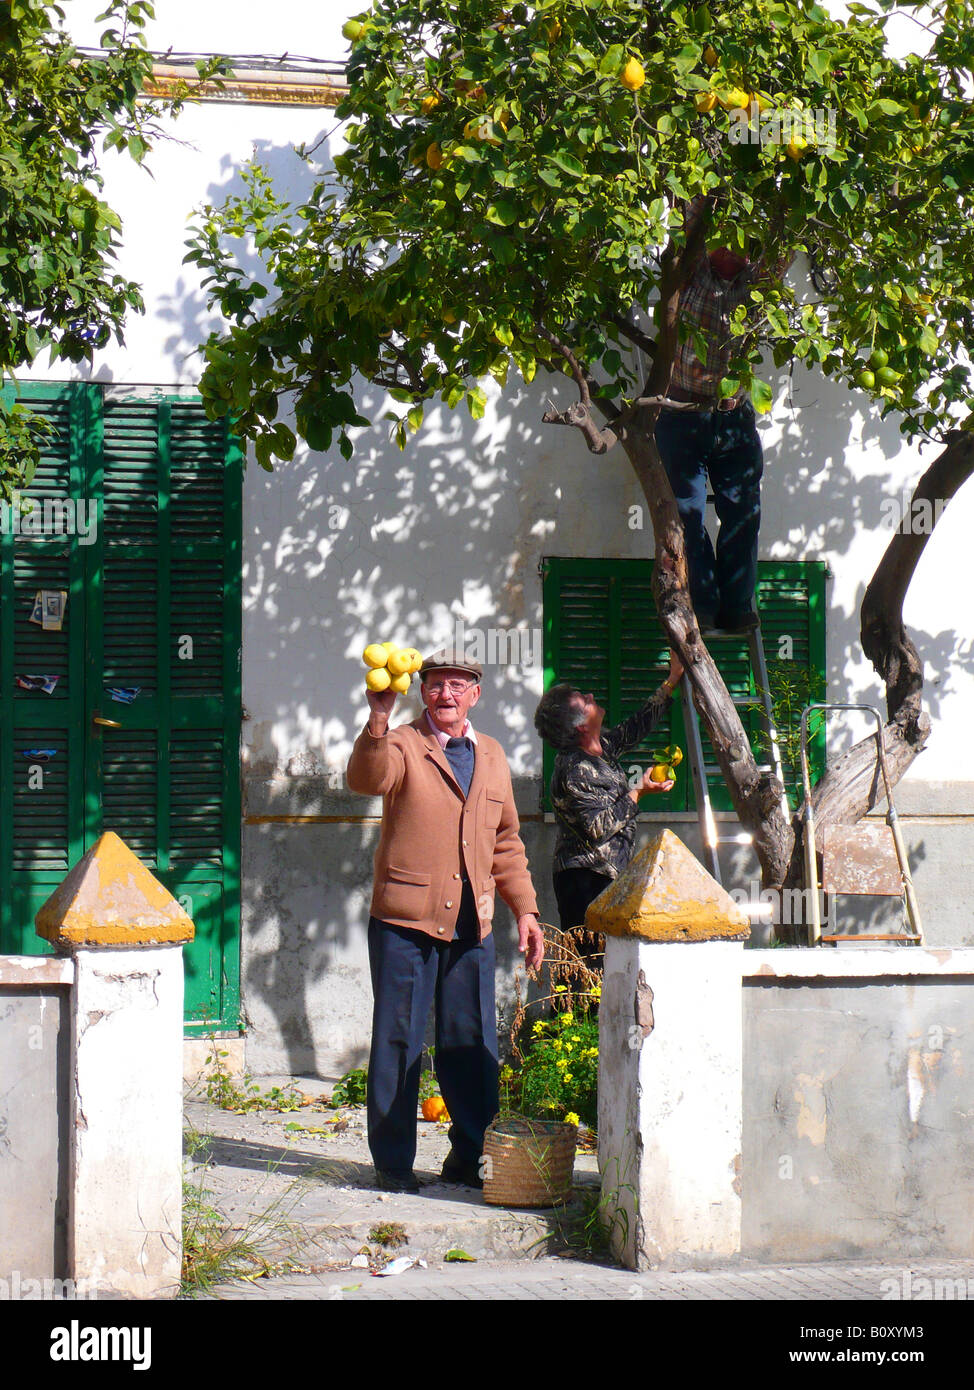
(852,784)
(756,795)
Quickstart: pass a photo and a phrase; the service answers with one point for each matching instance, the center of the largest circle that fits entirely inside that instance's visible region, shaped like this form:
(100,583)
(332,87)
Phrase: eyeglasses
(454,687)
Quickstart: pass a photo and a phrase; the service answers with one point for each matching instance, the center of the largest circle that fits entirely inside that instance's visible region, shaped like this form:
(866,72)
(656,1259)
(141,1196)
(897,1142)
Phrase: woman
(593,802)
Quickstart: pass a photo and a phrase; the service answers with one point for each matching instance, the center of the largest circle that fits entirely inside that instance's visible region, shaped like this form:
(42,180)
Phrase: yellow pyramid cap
(110,898)
(666,894)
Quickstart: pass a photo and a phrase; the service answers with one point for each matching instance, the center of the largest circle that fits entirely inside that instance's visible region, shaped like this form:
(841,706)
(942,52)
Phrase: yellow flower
(560,989)
(538,1029)
(568,1076)
(591,1052)
(596,991)
(557,1044)
(572,1119)
(561,1062)
(567,1018)
(506,1072)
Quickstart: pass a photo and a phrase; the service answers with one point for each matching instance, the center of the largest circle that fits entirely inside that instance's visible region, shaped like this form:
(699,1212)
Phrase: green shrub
(559,1074)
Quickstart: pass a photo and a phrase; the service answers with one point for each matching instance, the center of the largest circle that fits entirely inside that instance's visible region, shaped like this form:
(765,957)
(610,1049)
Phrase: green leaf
(568,164)
(762,397)
(928,341)
(477,402)
(458,1256)
(503,213)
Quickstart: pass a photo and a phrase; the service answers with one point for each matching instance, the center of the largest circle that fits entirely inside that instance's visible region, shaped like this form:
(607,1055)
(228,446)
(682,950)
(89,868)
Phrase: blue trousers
(411,971)
(725,446)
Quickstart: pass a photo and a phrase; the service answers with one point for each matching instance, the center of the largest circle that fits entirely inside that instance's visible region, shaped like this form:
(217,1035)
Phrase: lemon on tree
(705,101)
(633,75)
(734,99)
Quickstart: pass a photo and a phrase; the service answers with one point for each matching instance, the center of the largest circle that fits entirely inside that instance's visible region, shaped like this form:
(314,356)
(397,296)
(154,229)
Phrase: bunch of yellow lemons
(390,667)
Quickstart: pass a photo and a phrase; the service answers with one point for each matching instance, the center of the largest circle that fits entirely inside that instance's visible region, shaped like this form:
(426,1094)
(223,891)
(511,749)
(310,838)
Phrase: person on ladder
(719,442)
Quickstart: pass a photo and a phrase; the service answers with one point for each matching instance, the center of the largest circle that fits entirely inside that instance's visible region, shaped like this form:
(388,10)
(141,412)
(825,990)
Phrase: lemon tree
(516,178)
(60,291)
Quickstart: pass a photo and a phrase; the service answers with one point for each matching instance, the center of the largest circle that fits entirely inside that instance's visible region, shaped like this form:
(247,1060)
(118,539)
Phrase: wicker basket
(529,1163)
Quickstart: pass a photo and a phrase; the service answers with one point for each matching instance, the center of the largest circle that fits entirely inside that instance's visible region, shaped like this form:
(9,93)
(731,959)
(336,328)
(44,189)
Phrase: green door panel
(602,634)
(154,605)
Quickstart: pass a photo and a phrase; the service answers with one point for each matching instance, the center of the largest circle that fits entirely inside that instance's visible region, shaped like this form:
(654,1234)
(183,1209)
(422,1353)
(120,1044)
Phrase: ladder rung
(875,936)
(744,838)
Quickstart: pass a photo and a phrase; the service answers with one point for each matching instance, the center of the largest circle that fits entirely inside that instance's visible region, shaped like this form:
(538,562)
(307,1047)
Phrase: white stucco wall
(401,545)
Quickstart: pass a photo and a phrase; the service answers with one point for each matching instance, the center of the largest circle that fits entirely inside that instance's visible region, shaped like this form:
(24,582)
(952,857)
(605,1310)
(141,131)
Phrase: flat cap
(450,659)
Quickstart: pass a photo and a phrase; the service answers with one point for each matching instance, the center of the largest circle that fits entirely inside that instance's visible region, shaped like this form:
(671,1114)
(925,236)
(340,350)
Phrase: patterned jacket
(590,795)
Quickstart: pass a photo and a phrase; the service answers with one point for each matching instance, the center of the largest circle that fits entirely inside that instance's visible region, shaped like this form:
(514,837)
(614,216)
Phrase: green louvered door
(602,634)
(153,644)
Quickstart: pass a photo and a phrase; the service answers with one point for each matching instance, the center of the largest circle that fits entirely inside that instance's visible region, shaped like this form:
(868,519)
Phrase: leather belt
(707,402)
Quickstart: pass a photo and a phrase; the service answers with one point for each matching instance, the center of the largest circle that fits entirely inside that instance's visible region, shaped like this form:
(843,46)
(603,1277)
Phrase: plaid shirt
(707,303)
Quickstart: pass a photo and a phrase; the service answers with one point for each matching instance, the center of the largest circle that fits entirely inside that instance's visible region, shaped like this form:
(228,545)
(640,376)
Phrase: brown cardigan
(430,834)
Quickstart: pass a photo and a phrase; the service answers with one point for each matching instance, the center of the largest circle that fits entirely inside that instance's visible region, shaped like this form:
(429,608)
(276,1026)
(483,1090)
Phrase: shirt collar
(443,739)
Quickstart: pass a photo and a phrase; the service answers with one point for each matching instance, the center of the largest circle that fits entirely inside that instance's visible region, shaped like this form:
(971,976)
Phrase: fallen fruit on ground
(434,1108)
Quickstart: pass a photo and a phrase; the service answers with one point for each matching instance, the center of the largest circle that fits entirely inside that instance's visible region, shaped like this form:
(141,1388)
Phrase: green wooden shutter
(41,805)
(154,603)
(602,633)
(169,776)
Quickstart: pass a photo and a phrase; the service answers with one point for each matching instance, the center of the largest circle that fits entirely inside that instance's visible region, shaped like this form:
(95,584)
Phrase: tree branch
(635,334)
(852,784)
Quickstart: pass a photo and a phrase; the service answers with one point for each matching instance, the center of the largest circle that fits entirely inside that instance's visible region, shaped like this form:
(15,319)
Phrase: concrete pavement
(299,1186)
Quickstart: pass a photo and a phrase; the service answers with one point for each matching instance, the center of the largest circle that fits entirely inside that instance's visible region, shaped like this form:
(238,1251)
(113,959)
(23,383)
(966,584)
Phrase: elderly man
(449,837)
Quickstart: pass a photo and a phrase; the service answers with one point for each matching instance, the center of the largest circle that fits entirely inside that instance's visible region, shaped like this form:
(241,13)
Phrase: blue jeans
(724,445)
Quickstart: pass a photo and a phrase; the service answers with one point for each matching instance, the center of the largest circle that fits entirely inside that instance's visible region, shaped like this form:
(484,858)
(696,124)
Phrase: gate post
(125,933)
(670,1059)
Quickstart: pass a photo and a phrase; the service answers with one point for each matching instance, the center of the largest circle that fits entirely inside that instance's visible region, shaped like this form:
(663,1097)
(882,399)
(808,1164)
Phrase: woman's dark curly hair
(557,718)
